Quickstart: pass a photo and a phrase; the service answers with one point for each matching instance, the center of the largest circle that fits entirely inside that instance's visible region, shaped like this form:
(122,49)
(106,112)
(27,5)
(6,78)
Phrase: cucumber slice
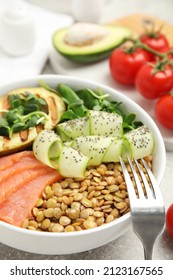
(47,146)
(68,143)
(135,144)
(141,142)
(104,123)
(114,151)
(62,135)
(72,163)
(97,123)
(73,128)
(94,147)
(126,150)
(72,158)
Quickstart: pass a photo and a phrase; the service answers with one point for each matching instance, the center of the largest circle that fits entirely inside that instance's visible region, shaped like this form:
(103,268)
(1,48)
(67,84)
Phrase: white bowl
(74,242)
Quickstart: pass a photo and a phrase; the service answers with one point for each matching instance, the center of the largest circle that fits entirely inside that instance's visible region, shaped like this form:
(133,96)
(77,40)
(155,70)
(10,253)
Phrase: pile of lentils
(74,204)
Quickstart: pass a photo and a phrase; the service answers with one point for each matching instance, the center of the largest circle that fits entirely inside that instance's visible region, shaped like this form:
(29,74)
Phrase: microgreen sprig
(26,111)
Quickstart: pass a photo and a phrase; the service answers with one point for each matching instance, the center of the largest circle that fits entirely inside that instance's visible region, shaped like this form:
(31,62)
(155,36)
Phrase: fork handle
(148,252)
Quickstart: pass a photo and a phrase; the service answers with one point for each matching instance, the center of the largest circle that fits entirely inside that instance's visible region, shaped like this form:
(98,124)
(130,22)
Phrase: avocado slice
(93,50)
(24,139)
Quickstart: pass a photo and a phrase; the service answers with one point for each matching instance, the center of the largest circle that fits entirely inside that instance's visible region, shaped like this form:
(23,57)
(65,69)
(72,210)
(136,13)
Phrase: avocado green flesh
(91,53)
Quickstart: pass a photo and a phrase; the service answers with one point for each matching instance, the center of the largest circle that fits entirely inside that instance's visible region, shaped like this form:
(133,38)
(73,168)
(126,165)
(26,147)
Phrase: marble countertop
(126,247)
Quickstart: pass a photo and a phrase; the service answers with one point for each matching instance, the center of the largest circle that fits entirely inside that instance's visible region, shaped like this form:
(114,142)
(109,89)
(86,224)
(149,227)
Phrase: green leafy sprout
(26,111)
(79,102)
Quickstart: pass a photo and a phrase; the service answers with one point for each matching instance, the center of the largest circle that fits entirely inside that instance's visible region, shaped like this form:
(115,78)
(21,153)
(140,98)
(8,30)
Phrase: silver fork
(147,209)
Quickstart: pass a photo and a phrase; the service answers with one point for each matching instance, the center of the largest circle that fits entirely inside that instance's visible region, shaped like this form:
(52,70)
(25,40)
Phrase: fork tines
(146,186)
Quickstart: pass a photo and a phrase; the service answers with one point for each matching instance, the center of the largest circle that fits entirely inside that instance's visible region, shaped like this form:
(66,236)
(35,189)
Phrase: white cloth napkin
(47,22)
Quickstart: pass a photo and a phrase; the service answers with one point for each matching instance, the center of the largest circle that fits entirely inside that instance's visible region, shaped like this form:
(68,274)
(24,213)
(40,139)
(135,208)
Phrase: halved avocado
(96,51)
(23,139)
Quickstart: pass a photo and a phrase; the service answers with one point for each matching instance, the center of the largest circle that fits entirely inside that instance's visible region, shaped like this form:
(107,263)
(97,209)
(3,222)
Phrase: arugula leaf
(75,104)
(97,108)
(3,122)
(44,85)
(137,124)
(12,116)
(96,100)
(5,129)
(17,127)
(29,95)
(31,108)
(32,121)
(68,115)
(129,119)
(72,98)
(89,98)
(15,101)
(129,122)
(41,102)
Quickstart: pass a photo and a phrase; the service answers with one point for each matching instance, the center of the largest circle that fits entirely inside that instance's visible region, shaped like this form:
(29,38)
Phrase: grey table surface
(126,247)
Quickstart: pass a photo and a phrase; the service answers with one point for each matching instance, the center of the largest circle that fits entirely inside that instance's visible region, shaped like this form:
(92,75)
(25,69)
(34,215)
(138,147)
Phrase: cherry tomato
(152,84)
(164,111)
(156,41)
(170,55)
(169,220)
(124,66)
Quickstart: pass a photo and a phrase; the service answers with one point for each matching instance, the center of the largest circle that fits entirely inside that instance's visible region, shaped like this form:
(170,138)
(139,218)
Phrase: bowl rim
(21,230)
(50,78)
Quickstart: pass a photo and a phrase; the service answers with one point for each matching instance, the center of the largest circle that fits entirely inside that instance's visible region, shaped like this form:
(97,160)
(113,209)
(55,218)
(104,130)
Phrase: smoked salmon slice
(17,181)
(19,205)
(28,162)
(8,161)
(25,167)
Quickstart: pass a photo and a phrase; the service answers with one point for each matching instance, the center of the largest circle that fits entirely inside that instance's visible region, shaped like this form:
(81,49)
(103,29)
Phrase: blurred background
(116,8)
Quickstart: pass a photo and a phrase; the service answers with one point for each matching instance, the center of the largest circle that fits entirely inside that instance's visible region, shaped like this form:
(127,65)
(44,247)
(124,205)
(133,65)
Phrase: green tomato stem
(145,47)
(139,44)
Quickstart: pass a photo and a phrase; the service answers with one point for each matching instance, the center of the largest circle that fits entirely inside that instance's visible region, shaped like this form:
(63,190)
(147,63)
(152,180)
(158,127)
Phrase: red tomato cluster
(152,74)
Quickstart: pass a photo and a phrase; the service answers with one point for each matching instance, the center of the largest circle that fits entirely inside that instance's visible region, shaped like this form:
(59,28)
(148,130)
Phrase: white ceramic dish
(67,243)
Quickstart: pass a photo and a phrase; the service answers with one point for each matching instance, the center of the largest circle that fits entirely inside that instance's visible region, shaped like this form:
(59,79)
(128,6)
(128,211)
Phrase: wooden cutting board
(136,22)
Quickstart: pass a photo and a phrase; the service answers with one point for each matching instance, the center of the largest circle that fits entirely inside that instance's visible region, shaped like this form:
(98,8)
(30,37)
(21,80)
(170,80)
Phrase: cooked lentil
(80,204)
